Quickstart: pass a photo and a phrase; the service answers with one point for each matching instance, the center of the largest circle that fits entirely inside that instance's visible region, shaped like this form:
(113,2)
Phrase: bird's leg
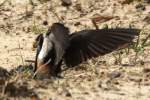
(56,70)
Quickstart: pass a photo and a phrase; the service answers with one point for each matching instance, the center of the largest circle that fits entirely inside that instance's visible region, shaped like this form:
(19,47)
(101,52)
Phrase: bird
(58,45)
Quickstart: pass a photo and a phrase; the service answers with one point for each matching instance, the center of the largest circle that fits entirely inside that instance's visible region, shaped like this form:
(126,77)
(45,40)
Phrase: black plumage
(59,45)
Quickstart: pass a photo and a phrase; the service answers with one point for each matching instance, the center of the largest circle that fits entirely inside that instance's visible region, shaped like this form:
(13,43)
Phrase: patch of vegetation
(137,46)
(36,29)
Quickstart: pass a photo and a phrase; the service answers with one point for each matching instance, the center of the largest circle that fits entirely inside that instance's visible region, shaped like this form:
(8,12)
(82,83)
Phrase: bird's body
(59,45)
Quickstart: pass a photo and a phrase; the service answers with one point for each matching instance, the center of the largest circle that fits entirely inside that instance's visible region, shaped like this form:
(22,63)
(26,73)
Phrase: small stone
(66,2)
(114,74)
(68,94)
(140,7)
(135,79)
(100,85)
(78,7)
(146,70)
(45,23)
(77,24)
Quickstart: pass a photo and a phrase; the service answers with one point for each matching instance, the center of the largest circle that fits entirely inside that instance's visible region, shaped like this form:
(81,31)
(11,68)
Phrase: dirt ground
(102,78)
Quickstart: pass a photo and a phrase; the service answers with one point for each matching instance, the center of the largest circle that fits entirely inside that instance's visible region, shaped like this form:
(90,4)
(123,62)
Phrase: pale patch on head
(46,47)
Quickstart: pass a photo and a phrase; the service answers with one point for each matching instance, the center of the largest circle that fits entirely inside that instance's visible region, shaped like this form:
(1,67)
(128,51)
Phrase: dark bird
(59,45)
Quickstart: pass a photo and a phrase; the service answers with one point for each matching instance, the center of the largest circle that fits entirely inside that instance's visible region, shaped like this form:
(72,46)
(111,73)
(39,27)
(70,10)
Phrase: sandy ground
(99,79)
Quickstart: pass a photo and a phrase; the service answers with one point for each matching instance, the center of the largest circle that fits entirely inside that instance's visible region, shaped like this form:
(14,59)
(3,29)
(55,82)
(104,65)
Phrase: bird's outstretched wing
(93,43)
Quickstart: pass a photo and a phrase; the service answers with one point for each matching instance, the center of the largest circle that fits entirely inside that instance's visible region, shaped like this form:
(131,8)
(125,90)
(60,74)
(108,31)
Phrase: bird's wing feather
(92,43)
(60,40)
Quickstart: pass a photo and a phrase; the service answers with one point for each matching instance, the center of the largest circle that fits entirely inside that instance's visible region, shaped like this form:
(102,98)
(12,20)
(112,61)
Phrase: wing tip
(135,31)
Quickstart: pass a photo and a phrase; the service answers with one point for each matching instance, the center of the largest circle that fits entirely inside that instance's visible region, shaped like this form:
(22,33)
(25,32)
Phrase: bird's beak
(43,69)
